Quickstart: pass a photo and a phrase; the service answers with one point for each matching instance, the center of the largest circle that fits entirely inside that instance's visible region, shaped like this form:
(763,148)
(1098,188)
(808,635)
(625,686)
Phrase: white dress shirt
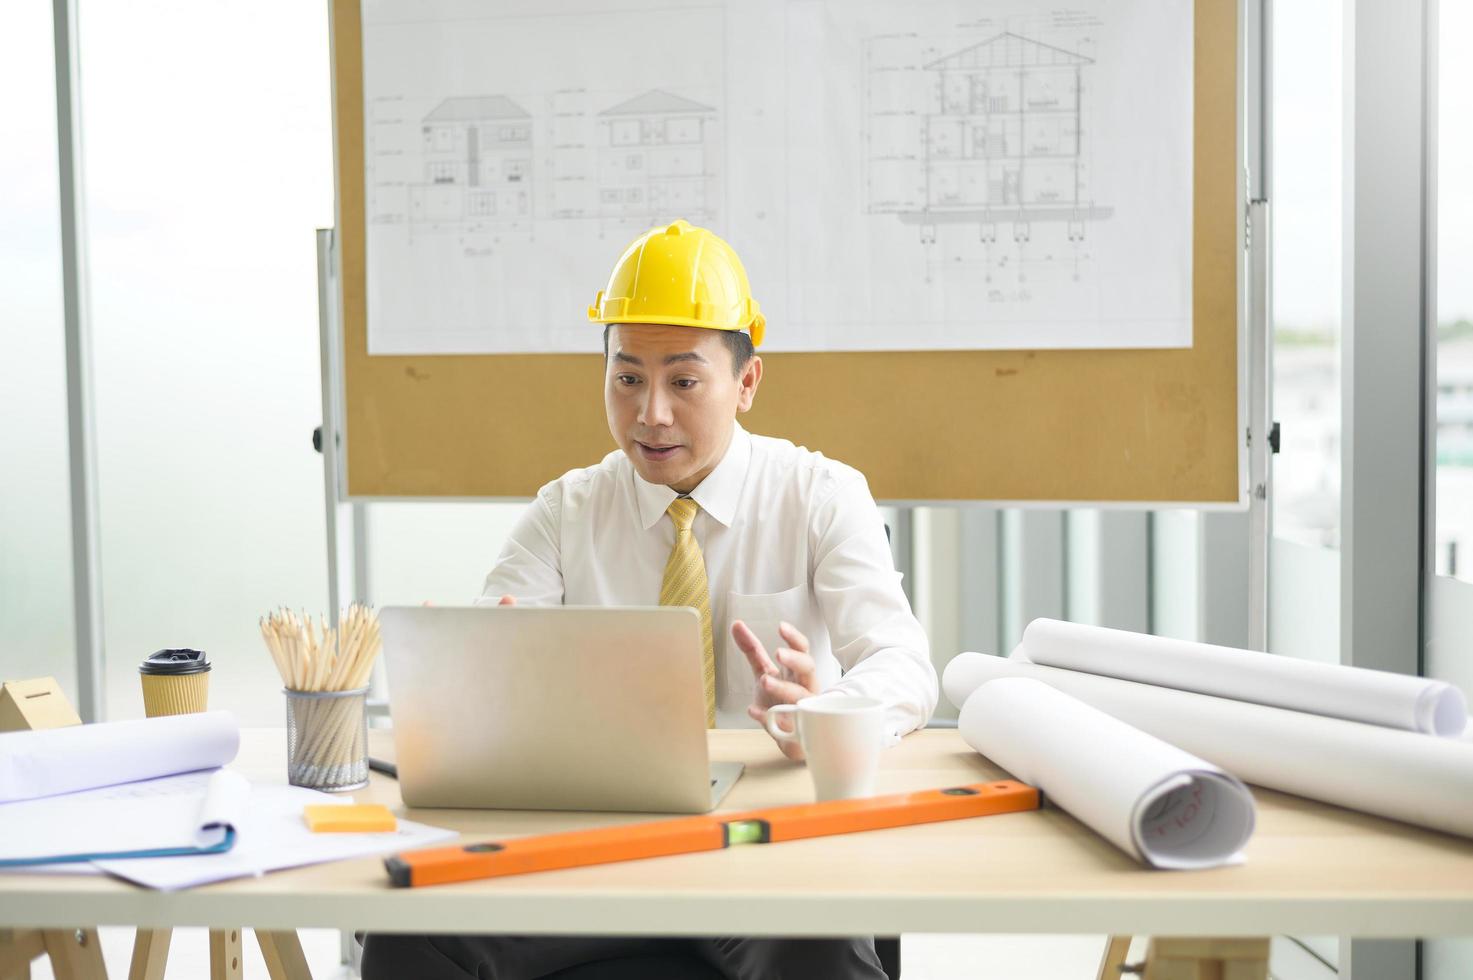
(787,535)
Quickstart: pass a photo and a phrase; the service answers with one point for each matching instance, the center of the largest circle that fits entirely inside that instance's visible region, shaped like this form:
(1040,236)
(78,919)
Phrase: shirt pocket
(762,613)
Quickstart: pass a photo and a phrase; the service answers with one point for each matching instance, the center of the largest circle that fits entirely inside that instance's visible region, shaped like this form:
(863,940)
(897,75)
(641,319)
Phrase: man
(781,551)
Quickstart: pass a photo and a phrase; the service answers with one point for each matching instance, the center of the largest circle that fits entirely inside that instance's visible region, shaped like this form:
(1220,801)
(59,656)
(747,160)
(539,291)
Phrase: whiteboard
(896,176)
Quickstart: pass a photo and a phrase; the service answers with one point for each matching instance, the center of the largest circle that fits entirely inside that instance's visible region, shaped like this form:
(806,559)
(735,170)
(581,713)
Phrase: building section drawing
(992,136)
(477,162)
(1007,143)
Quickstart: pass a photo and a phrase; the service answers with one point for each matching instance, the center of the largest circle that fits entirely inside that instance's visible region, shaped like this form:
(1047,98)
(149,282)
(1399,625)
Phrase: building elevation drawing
(653,156)
(477,153)
(637,159)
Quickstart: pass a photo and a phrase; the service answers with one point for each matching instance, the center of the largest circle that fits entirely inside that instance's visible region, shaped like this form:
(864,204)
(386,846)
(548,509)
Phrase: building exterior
(477,161)
(657,157)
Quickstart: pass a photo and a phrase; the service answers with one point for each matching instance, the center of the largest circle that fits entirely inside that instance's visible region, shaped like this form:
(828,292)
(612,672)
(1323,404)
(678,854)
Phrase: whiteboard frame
(1252,382)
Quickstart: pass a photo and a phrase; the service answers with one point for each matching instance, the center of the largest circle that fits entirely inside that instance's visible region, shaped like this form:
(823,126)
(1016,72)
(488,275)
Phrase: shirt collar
(717,495)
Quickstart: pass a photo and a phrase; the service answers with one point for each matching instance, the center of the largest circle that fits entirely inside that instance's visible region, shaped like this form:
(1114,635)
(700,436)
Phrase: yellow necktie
(685,585)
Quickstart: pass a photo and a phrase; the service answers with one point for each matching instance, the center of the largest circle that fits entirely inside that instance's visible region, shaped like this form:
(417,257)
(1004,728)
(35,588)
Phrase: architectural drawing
(1006,143)
(992,136)
(477,162)
(944,175)
(656,157)
(572,180)
(638,161)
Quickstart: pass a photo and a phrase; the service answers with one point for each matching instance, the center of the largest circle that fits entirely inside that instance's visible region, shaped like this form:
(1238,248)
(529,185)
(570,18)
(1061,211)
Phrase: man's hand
(795,679)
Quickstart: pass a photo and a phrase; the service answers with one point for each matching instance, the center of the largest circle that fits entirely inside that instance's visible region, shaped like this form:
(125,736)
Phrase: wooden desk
(1311,870)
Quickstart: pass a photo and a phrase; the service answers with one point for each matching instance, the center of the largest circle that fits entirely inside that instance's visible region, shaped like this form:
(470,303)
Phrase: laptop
(551,708)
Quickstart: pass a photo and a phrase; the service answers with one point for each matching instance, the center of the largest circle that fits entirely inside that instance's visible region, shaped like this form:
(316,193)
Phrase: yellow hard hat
(683,275)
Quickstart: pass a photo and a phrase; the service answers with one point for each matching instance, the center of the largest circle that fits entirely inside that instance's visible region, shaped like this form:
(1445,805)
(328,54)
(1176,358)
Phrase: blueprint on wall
(924,175)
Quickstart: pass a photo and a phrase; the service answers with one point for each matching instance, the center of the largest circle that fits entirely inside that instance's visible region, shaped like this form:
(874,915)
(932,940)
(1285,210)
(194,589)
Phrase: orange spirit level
(547,852)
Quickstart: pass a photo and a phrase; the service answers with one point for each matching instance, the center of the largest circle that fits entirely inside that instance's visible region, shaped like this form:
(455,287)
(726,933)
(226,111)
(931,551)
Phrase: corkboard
(1101,425)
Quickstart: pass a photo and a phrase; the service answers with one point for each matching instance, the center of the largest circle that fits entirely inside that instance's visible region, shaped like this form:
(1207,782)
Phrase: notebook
(190,814)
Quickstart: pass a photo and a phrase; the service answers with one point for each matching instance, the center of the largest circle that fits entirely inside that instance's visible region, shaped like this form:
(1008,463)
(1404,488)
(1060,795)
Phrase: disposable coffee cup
(175,682)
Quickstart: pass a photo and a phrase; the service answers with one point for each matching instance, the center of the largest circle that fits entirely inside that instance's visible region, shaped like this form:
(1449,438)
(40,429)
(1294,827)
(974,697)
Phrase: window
(1304,561)
(1306,269)
(624,132)
(683,130)
(1448,624)
(1453,539)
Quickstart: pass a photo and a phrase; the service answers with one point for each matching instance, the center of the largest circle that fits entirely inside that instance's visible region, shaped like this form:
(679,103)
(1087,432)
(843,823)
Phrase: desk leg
(1113,962)
(225,954)
(75,954)
(283,953)
(150,954)
(17,948)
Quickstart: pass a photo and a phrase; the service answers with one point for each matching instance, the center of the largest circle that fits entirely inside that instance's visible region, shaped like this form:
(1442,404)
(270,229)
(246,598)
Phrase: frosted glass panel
(434,552)
(1304,601)
(36,629)
(1176,574)
(209,165)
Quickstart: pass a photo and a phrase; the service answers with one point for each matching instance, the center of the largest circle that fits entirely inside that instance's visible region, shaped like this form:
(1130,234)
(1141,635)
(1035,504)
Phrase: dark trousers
(391,957)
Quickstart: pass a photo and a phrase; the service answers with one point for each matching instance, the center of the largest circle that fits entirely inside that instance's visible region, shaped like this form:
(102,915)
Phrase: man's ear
(748,382)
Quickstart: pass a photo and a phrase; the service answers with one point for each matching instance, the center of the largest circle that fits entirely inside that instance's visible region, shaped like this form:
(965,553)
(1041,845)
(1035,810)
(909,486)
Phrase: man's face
(671,395)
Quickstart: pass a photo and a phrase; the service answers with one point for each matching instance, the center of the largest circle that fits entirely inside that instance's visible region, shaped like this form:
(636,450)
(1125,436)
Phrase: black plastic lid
(176,662)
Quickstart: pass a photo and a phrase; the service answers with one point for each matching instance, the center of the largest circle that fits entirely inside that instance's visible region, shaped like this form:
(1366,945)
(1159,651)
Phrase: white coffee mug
(841,738)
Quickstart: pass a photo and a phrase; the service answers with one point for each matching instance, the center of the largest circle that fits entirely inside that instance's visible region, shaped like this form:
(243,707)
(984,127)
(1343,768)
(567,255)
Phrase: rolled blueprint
(1396,774)
(65,760)
(1150,799)
(1378,697)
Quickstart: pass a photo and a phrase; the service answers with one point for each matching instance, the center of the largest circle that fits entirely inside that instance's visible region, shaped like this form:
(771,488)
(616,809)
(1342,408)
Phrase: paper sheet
(1402,775)
(272,835)
(192,810)
(1377,697)
(1150,799)
(81,757)
(916,176)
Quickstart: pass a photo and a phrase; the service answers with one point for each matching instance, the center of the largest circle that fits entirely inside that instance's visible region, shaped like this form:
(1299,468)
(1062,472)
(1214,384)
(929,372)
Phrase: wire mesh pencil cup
(327,739)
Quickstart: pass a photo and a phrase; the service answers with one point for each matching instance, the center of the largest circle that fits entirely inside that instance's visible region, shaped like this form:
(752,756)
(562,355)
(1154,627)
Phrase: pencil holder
(327,739)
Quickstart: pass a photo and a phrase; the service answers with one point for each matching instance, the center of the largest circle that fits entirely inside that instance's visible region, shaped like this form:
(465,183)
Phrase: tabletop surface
(1311,869)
